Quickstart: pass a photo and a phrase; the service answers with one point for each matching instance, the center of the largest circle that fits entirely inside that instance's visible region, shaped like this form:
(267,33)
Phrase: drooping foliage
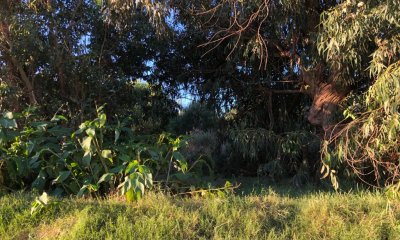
(361,41)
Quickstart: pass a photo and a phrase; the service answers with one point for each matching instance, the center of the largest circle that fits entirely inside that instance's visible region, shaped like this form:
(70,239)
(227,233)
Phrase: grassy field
(266,212)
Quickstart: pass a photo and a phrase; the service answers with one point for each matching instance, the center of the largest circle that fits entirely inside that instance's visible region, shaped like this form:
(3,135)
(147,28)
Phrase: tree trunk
(28,86)
(6,46)
(325,94)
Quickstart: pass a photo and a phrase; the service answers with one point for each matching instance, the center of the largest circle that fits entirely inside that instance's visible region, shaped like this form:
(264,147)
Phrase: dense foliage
(363,49)
(282,89)
(96,159)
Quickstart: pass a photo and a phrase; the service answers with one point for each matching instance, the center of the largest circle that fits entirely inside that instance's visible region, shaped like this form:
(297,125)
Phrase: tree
(361,42)
(66,53)
(351,54)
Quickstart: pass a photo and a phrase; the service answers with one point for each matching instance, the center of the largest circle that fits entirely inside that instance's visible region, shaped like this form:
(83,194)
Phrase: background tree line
(283,88)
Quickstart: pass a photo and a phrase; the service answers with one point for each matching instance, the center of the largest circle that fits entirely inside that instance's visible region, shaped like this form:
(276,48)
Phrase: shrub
(257,151)
(196,117)
(96,159)
(201,145)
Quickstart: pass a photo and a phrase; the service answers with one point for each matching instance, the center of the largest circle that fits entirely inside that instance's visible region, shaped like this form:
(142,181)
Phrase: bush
(202,146)
(196,117)
(263,152)
(96,159)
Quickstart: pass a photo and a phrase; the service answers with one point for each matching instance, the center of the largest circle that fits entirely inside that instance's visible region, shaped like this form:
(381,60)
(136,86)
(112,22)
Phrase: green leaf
(8,123)
(130,195)
(117,135)
(106,178)
(148,179)
(40,203)
(137,185)
(87,158)
(98,2)
(155,155)
(178,156)
(124,158)
(106,154)
(82,191)
(41,126)
(183,165)
(8,115)
(86,144)
(125,185)
(82,128)
(40,181)
(61,177)
(138,196)
(93,187)
(183,177)
(91,132)
(132,167)
(44,198)
(34,163)
(58,118)
(117,169)
(103,119)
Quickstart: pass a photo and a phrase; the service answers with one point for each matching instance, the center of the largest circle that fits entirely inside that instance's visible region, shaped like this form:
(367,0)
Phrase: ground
(255,211)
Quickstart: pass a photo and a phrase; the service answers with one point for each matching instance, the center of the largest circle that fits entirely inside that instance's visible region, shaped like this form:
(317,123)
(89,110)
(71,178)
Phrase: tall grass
(265,215)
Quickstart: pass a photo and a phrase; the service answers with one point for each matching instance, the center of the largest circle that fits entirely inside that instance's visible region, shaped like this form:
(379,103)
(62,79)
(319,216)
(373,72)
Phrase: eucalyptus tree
(341,53)
(349,56)
(360,41)
(268,59)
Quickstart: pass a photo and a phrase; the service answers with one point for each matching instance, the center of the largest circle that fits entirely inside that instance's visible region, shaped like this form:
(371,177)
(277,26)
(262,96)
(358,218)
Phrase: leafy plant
(41,203)
(137,178)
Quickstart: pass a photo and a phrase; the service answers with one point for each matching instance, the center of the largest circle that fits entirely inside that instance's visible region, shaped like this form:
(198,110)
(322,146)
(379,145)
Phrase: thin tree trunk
(29,89)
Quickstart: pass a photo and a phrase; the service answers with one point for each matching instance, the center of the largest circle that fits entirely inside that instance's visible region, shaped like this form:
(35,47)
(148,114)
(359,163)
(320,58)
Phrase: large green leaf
(125,185)
(106,178)
(132,167)
(138,186)
(148,179)
(130,195)
(87,158)
(86,144)
(103,119)
(57,118)
(8,115)
(117,169)
(82,128)
(91,132)
(40,181)
(117,134)
(82,191)
(8,123)
(178,156)
(63,175)
(106,154)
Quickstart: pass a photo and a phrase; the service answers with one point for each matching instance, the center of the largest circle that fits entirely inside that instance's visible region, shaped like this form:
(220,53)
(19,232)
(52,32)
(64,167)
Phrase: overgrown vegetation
(285,90)
(96,159)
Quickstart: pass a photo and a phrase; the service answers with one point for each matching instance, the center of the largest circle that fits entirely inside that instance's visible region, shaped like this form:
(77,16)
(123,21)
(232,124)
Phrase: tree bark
(326,96)
(29,89)
(6,46)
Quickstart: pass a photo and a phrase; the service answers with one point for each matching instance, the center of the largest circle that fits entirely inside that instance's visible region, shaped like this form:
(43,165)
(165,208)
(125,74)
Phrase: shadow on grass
(285,187)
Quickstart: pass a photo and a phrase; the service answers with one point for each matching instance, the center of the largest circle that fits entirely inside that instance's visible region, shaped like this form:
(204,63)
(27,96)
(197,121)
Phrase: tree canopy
(281,72)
